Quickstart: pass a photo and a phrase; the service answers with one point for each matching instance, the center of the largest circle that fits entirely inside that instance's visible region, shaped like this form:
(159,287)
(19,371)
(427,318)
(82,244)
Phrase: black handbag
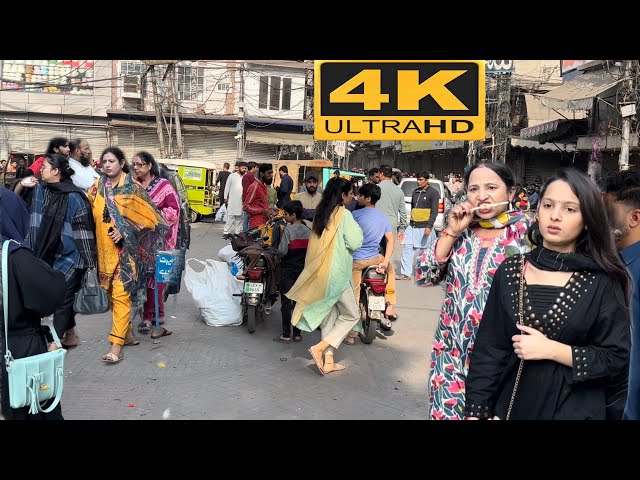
(91,299)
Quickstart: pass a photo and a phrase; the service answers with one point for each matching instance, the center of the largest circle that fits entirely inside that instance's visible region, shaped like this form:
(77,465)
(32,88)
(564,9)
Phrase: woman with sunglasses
(167,202)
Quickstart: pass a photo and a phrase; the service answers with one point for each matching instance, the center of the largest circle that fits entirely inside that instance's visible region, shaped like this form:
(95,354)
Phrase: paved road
(227,373)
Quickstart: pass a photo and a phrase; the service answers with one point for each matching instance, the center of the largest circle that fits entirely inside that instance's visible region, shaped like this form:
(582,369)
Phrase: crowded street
(204,372)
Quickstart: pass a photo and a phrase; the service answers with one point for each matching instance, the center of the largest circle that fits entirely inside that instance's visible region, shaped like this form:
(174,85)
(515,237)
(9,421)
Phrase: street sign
(168,266)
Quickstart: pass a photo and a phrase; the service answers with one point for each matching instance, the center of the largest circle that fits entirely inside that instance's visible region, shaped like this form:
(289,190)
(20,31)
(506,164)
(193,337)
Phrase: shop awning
(558,127)
(538,113)
(280,138)
(578,93)
(555,130)
(549,146)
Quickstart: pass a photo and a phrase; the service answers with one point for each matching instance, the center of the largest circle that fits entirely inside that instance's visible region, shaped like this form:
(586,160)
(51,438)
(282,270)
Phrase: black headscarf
(46,245)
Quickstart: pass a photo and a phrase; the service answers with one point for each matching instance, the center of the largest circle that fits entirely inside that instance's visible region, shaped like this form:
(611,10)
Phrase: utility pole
(158,108)
(241,133)
(503,117)
(627,110)
(471,152)
(171,86)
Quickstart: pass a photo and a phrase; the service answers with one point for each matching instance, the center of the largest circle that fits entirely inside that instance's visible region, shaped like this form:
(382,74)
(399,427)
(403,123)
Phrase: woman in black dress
(574,344)
(34,290)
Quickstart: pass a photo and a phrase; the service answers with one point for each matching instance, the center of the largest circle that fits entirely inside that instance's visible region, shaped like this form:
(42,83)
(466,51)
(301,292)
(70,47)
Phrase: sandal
(349,340)
(329,367)
(144,327)
(165,333)
(403,277)
(112,358)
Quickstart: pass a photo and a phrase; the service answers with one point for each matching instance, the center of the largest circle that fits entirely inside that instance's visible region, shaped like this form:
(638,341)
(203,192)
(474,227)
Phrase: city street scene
(223,240)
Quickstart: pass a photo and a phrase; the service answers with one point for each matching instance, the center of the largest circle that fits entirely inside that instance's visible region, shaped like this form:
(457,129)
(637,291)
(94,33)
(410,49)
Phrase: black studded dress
(586,313)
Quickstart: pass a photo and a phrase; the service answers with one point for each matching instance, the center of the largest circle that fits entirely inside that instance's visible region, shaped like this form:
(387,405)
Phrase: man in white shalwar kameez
(233,200)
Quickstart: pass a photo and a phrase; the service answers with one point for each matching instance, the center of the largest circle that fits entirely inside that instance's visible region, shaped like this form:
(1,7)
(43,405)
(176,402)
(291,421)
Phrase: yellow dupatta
(312,282)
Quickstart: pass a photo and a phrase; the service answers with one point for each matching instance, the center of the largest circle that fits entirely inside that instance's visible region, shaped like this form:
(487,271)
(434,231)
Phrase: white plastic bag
(228,254)
(212,289)
(221,214)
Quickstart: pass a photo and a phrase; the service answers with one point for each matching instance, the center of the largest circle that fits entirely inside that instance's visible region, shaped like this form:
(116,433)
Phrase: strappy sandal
(112,358)
(144,327)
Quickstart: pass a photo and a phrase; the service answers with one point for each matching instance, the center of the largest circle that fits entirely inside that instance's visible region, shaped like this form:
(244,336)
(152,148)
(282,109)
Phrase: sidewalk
(203,372)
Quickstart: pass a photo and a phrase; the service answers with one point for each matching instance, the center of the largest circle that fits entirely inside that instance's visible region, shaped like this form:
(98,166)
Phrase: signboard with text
(400,100)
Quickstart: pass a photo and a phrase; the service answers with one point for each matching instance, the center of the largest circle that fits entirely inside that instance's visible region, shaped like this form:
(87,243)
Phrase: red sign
(569,65)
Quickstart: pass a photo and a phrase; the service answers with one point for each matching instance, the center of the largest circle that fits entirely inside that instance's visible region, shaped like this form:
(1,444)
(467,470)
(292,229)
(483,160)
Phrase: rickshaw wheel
(195,216)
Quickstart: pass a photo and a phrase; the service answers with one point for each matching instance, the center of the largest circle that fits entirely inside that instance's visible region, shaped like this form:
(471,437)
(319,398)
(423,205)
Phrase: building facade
(226,108)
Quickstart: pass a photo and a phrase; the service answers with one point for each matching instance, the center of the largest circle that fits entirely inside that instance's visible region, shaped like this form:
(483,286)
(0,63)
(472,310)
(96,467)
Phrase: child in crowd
(292,251)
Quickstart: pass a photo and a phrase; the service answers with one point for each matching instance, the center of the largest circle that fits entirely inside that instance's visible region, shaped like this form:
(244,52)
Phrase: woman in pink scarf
(167,202)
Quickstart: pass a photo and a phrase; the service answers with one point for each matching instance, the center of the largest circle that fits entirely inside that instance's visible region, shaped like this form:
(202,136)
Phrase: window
(132,68)
(286,94)
(191,83)
(276,92)
(223,87)
(264,91)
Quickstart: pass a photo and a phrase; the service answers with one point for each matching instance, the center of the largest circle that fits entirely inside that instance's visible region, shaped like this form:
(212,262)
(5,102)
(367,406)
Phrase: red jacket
(255,202)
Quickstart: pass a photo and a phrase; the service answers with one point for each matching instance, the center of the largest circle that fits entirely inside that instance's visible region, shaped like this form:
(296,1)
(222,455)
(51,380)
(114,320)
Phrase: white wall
(252,92)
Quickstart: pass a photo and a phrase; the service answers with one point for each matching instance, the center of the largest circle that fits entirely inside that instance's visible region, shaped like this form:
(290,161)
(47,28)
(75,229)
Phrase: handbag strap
(34,387)
(5,304)
(5,298)
(521,315)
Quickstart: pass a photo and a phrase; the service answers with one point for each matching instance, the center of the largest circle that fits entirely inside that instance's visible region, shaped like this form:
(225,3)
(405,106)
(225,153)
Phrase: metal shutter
(260,153)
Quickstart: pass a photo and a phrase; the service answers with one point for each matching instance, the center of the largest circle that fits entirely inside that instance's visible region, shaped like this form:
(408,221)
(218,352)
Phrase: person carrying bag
(32,370)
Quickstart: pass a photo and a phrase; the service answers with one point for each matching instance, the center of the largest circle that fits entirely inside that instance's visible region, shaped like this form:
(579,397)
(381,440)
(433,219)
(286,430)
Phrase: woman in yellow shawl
(324,292)
(129,232)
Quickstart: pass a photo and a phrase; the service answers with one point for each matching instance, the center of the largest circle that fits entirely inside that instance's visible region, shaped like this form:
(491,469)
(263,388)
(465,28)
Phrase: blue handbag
(37,379)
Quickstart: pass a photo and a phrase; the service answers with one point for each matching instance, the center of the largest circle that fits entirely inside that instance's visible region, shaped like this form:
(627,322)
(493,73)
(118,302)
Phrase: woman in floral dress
(467,254)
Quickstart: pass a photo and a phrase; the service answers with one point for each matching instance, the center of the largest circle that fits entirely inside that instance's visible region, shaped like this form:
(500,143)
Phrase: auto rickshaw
(199,177)
(298,170)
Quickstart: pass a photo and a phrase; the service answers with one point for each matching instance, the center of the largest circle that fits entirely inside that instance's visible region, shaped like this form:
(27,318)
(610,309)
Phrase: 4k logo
(399,100)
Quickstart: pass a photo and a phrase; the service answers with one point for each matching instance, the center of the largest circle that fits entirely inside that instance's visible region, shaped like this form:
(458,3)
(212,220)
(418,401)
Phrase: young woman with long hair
(571,293)
(324,292)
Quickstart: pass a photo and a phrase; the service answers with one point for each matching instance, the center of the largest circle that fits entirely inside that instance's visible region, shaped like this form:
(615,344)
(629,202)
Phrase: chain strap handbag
(521,319)
(36,379)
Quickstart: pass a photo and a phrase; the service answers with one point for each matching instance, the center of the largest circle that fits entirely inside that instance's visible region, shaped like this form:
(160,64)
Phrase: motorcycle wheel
(368,324)
(252,318)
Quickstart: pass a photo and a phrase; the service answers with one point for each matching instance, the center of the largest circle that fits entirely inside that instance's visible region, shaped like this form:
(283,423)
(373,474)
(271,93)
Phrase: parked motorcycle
(260,271)
(372,303)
